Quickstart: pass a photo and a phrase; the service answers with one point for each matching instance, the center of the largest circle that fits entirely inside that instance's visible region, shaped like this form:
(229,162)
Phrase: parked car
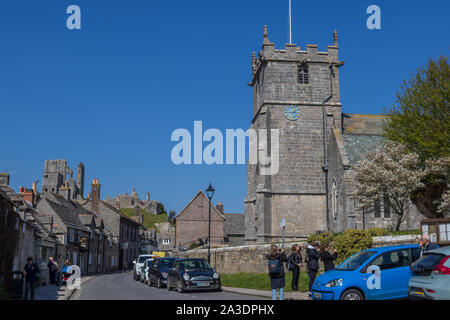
(431,276)
(193,274)
(159,270)
(356,279)
(138,263)
(144,269)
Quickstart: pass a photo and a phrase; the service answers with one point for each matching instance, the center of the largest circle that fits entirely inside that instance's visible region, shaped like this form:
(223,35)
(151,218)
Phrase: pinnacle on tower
(335,38)
(265,36)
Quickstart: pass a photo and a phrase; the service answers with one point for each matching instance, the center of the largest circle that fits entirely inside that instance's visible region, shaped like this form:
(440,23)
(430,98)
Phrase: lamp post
(210,193)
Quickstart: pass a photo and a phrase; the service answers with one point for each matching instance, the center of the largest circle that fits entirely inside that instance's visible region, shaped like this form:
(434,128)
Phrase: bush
(3,293)
(378,232)
(350,242)
(322,238)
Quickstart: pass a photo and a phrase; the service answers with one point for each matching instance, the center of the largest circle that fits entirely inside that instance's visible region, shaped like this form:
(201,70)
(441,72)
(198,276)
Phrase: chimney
(4,178)
(95,190)
(28,195)
(219,207)
(64,191)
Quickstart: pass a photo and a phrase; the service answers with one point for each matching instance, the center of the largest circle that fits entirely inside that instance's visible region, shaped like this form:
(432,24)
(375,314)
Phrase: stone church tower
(290,89)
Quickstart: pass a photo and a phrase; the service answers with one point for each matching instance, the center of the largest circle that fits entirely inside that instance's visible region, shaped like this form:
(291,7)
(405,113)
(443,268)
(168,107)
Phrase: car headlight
(164,274)
(185,277)
(216,275)
(334,283)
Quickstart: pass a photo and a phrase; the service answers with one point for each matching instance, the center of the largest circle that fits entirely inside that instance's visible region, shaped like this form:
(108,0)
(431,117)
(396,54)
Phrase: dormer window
(303,74)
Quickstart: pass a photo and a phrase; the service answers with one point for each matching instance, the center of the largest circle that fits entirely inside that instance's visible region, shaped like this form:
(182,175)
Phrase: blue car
(372,274)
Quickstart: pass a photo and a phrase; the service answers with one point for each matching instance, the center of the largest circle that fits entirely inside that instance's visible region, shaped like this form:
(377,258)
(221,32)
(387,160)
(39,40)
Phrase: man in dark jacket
(328,258)
(52,268)
(425,245)
(30,271)
(313,254)
(294,262)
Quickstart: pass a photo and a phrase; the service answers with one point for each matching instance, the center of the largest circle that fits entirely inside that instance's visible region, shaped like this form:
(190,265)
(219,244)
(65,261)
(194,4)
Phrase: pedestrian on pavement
(52,268)
(294,264)
(31,272)
(328,258)
(313,255)
(426,245)
(276,258)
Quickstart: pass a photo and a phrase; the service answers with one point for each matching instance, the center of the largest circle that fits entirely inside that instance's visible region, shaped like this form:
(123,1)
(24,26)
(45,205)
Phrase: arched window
(334,196)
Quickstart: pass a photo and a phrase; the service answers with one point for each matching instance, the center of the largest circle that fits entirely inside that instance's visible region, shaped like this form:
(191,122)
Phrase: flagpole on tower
(290,22)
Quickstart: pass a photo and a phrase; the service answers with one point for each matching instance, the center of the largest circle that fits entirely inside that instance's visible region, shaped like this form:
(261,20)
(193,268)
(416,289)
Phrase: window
(166,241)
(392,259)
(302,74)
(334,203)
(377,209)
(387,208)
(444,232)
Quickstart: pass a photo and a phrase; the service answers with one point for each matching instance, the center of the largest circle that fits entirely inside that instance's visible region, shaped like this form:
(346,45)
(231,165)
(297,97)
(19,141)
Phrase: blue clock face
(291,112)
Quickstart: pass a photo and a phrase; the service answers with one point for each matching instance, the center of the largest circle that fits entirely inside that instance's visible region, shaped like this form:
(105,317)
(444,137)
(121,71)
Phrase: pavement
(267,294)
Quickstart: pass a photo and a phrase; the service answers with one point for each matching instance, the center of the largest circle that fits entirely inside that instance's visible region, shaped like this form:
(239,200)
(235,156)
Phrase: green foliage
(261,281)
(323,238)
(150,220)
(351,242)
(419,118)
(378,232)
(3,293)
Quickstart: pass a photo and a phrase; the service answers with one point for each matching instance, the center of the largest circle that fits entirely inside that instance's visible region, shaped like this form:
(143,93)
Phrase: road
(121,286)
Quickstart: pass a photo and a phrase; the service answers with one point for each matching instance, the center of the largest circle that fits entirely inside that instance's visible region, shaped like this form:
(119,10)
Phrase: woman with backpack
(294,264)
(327,257)
(276,271)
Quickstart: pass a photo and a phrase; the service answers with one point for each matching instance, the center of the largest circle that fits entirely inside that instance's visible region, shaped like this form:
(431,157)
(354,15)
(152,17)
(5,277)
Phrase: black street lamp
(210,194)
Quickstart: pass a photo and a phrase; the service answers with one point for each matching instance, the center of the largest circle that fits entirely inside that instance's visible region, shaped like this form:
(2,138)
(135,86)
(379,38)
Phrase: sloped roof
(200,193)
(234,223)
(14,197)
(357,145)
(370,124)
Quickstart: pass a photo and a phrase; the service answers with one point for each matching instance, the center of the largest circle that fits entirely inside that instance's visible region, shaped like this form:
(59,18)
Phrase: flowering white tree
(389,173)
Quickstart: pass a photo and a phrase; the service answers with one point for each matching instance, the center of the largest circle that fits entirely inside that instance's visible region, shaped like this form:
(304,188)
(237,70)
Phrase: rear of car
(431,276)
(139,264)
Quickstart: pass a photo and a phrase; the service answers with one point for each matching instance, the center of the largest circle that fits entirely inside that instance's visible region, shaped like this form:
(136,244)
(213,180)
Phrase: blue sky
(111,94)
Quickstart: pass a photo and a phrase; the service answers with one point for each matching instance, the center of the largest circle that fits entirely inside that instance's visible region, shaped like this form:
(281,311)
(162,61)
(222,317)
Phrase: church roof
(370,124)
(356,145)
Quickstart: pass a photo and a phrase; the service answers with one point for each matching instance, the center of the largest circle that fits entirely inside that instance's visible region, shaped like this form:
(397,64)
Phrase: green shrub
(323,238)
(378,232)
(3,293)
(351,242)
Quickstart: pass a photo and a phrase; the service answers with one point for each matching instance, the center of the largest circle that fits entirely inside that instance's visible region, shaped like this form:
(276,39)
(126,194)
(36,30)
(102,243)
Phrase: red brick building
(192,223)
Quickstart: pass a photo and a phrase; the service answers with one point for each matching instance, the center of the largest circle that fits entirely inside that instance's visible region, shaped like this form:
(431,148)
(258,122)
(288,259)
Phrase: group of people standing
(314,252)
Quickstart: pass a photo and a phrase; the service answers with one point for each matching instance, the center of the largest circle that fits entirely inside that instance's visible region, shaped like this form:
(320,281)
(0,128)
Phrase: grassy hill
(149,219)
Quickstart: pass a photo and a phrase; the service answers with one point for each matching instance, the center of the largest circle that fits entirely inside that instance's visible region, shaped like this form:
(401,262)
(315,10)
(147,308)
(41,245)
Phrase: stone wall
(252,258)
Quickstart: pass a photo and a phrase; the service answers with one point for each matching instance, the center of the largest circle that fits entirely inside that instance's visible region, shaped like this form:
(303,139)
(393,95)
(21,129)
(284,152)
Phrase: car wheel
(352,294)
(150,282)
(134,276)
(159,283)
(180,286)
(145,281)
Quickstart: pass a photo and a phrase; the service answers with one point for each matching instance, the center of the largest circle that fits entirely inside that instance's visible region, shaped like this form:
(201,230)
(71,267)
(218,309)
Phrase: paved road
(121,286)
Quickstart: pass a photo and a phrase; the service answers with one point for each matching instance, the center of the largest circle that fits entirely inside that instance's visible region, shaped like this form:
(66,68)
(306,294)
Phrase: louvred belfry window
(303,74)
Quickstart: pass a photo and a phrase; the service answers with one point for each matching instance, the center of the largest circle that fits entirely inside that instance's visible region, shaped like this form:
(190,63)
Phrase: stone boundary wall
(252,258)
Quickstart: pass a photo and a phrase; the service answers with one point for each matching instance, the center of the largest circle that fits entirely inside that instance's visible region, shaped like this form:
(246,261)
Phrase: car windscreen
(166,263)
(355,261)
(143,258)
(429,261)
(194,264)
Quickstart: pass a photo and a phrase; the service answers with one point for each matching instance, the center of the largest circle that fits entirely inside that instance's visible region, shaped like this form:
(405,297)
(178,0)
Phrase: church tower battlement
(290,89)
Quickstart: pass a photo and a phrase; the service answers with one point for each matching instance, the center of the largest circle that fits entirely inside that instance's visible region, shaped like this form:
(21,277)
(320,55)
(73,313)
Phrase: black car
(159,270)
(193,274)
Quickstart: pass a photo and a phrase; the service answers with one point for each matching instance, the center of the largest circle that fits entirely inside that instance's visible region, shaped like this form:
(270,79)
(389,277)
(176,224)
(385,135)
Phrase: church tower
(296,92)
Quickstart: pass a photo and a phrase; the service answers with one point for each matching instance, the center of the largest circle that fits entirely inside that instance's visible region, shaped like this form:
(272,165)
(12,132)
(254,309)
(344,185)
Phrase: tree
(390,174)
(420,117)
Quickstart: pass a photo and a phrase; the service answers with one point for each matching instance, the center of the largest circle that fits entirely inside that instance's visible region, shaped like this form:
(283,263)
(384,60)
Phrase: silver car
(431,276)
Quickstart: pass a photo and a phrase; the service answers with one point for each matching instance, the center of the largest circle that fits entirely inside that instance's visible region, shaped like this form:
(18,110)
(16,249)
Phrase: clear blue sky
(111,94)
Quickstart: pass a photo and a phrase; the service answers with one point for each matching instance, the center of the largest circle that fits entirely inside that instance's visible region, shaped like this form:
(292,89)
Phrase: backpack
(274,267)
(289,265)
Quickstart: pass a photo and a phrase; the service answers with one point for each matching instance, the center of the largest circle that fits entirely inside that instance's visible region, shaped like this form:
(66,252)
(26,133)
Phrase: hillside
(149,219)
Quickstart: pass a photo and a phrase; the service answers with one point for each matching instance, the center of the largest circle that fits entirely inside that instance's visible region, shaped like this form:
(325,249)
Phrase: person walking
(276,258)
(313,255)
(426,245)
(31,272)
(328,258)
(294,264)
